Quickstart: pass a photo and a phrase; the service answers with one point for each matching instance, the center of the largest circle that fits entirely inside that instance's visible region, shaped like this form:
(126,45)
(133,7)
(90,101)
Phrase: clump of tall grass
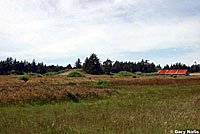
(75,74)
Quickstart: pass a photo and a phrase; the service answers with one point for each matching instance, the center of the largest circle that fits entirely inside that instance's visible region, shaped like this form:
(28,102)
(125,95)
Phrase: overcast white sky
(61,31)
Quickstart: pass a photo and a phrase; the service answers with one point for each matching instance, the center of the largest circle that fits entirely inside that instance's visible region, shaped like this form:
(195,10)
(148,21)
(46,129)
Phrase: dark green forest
(91,65)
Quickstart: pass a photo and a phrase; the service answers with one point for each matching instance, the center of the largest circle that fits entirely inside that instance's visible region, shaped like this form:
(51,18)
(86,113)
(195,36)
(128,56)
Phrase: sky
(61,31)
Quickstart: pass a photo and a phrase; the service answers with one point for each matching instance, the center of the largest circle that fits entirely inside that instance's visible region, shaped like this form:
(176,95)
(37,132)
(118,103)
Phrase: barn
(179,72)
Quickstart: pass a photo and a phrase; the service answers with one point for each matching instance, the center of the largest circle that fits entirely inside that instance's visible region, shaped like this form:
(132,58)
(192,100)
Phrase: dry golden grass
(143,105)
(55,88)
(47,89)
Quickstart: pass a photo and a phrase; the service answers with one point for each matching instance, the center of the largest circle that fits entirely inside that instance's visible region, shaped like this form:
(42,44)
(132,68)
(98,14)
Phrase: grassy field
(99,104)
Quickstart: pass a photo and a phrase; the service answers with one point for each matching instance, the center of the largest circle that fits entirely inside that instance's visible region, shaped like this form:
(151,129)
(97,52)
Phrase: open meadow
(99,104)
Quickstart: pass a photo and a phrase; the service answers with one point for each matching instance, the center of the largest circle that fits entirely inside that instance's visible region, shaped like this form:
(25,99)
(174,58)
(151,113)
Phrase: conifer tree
(92,65)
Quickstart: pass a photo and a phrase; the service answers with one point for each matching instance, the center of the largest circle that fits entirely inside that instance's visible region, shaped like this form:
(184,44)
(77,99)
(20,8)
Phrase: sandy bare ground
(66,73)
(73,70)
(195,74)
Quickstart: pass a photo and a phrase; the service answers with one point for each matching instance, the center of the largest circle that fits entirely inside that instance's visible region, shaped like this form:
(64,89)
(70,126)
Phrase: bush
(75,74)
(24,78)
(124,73)
(134,76)
(174,76)
(100,82)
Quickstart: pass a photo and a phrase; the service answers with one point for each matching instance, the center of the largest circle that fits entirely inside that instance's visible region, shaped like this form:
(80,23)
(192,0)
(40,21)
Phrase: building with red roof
(181,72)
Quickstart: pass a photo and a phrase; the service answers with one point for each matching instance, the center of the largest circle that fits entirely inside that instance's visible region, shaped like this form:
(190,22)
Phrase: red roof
(172,71)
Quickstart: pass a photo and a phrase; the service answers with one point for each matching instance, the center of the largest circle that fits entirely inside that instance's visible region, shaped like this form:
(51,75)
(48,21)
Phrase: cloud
(51,29)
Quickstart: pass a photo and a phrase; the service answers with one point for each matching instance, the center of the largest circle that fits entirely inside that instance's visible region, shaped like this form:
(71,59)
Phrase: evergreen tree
(117,67)
(33,66)
(69,66)
(92,65)
(78,64)
(107,66)
(166,67)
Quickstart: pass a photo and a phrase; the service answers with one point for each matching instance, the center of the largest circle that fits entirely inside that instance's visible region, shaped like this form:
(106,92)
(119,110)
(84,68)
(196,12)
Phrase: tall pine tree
(92,65)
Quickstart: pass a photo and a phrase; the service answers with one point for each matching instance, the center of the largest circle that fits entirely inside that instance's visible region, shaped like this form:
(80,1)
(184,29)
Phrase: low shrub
(124,73)
(134,76)
(100,82)
(24,78)
(174,76)
(75,74)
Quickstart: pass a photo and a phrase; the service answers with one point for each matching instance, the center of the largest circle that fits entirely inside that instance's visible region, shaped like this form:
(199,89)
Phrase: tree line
(192,69)
(91,65)
(12,66)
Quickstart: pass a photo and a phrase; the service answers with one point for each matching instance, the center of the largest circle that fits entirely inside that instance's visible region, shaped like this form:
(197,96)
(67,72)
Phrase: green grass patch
(100,82)
(75,74)
(63,71)
(55,73)
(150,74)
(124,73)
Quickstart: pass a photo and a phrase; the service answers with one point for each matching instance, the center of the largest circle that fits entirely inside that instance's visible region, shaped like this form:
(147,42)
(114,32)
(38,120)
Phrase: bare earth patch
(195,74)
